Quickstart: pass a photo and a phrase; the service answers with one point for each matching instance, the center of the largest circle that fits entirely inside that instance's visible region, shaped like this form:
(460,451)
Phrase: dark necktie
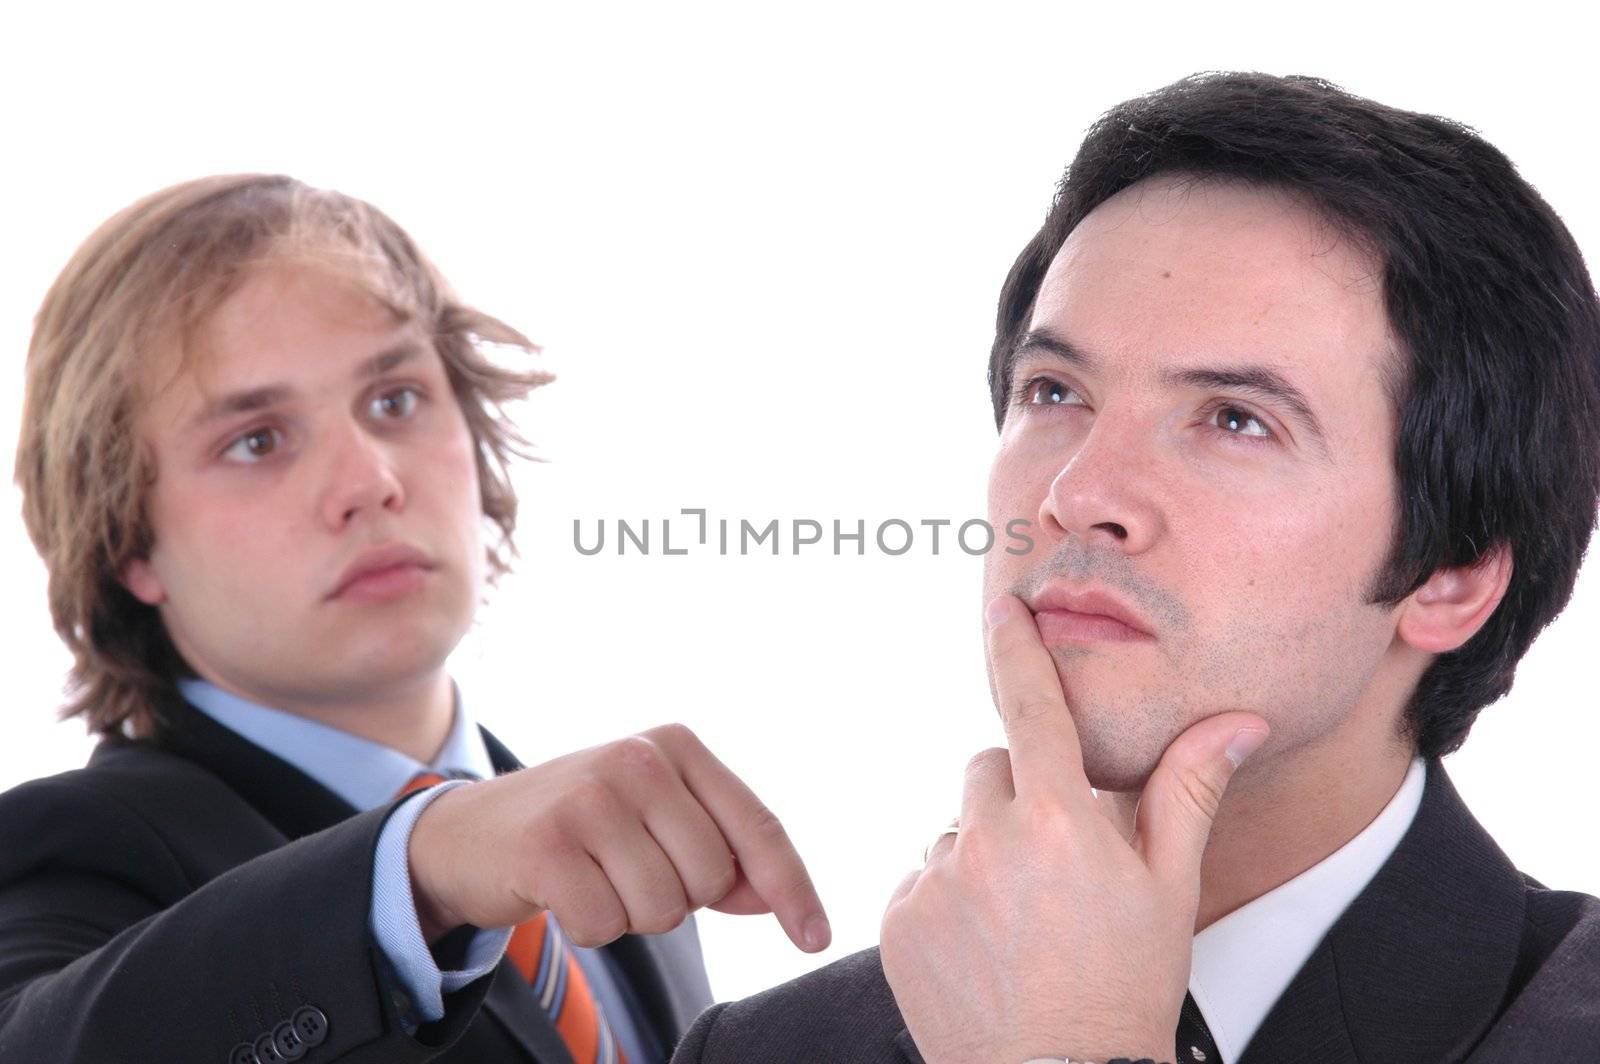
(1195,1045)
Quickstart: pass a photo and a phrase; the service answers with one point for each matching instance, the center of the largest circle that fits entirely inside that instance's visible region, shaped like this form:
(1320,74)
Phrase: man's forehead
(1225,203)
(1214,272)
(1214,238)
(277,329)
(279,309)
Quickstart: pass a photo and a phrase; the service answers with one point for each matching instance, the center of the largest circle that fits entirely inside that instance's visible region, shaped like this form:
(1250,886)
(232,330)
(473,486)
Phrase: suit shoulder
(132,804)
(136,778)
(1557,977)
(1561,927)
(843,1013)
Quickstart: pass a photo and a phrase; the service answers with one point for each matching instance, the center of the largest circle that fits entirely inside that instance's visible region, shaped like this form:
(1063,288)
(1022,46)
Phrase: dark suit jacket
(182,895)
(1449,954)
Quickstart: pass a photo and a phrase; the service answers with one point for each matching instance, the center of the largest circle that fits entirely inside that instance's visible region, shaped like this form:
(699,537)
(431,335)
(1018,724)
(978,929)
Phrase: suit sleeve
(398,931)
(692,1050)
(109,953)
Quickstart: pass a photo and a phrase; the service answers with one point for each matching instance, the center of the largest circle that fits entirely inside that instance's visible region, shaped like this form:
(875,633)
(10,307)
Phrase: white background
(763,251)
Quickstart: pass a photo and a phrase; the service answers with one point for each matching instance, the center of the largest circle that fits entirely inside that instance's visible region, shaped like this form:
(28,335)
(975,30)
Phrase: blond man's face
(316,512)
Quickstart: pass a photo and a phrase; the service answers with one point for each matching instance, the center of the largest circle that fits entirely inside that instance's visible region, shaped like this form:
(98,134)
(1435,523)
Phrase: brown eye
(253,445)
(1233,420)
(395,405)
(1042,391)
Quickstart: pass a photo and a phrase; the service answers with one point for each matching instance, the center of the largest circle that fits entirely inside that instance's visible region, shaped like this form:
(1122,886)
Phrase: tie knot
(419,781)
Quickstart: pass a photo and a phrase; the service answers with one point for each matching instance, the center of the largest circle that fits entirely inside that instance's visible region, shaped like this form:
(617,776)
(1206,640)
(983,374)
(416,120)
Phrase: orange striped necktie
(539,950)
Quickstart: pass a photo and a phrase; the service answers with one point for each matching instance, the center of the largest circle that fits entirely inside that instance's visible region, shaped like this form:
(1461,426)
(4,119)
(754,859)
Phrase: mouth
(1066,626)
(1065,614)
(383,574)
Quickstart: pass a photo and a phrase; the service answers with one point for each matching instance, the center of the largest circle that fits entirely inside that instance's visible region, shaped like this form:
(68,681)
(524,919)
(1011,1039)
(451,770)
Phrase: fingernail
(998,610)
(817,933)
(1244,744)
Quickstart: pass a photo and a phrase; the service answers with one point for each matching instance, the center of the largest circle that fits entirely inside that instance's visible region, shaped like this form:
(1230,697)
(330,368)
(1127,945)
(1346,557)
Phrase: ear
(1449,609)
(139,577)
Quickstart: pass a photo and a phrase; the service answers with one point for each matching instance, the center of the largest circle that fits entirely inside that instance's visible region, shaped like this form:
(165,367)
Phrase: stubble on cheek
(1280,664)
(1128,701)
(1125,717)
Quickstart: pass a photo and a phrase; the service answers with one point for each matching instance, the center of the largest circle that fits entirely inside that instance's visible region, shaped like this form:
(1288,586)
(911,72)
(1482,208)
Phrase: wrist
(435,921)
(434,916)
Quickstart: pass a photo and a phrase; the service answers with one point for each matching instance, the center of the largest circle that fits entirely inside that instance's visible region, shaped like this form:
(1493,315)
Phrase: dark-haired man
(1300,393)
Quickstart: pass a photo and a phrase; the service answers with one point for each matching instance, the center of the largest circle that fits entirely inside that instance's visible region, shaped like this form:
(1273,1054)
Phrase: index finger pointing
(767,859)
(1045,754)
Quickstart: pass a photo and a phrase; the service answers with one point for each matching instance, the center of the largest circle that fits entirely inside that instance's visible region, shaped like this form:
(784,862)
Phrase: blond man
(260,450)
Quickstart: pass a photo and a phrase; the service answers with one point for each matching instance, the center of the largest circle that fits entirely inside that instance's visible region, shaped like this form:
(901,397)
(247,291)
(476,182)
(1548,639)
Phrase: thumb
(1181,798)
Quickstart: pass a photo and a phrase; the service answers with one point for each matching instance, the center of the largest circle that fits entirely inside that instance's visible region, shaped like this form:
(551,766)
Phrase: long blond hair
(148,277)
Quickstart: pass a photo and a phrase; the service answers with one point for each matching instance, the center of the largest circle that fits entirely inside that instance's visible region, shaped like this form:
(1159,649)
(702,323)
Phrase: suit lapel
(501,758)
(668,975)
(293,802)
(1416,967)
(511,1002)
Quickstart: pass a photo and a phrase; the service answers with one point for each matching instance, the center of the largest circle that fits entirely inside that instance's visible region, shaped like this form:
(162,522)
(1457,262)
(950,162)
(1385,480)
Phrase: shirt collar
(364,773)
(1245,961)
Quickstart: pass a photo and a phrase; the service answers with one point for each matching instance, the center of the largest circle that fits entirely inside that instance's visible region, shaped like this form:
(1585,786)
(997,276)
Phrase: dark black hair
(1498,394)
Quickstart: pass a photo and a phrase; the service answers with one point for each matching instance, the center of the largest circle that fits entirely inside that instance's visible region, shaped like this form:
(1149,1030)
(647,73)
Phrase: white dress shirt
(1245,961)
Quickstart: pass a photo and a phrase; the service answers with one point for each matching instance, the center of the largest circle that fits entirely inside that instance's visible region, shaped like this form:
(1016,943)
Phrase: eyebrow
(1262,381)
(244,402)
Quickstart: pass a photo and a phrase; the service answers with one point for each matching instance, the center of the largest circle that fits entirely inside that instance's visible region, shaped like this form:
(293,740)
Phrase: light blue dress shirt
(368,775)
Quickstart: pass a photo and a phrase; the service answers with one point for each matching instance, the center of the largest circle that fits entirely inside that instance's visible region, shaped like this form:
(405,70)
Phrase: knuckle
(1201,792)
(726,879)
(578,934)
(1006,645)
(715,884)
(636,757)
(984,761)
(673,736)
(900,918)
(612,928)
(942,851)
(661,919)
(539,848)
(794,887)
(889,929)
(975,856)
(592,799)
(1031,705)
(1048,820)
(765,825)
(596,926)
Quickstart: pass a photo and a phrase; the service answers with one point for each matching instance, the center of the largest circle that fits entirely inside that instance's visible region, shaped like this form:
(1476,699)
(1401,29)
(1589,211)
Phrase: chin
(1124,775)
(1122,742)
(399,653)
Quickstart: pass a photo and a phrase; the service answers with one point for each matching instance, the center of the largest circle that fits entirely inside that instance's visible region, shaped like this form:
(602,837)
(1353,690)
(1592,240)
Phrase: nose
(361,478)
(1103,493)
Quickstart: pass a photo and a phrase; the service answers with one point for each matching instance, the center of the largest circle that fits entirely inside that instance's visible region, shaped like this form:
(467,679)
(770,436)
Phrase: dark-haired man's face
(1199,428)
